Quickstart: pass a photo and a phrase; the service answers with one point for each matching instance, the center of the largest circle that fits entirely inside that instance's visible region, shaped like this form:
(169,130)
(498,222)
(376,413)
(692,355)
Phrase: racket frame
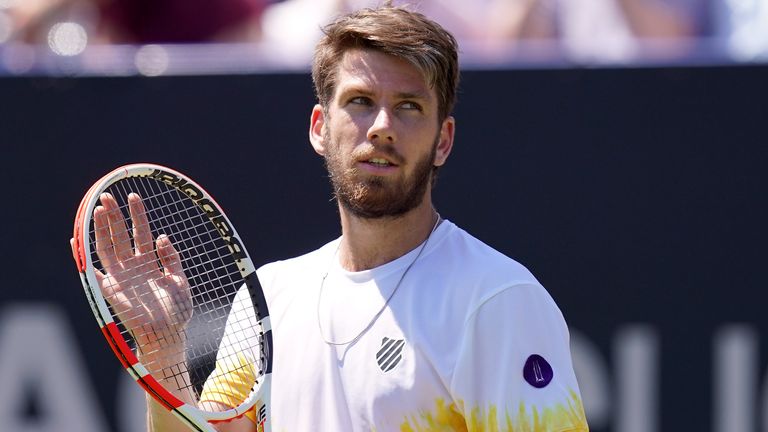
(192,416)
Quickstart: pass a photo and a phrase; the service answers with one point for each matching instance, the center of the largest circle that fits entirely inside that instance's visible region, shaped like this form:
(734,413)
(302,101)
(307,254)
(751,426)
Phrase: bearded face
(370,196)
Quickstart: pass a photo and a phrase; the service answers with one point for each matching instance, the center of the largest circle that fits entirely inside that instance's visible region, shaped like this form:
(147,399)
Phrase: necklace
(386,302)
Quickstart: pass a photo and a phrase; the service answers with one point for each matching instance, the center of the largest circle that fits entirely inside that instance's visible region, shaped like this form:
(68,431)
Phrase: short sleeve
(230,382)
(514,368)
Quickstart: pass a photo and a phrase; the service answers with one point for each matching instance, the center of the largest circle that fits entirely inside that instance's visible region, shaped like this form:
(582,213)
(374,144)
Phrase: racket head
(219,327)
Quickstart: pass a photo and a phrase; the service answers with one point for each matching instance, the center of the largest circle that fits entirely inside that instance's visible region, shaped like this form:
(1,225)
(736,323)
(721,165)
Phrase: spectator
(292,27)
(180,21)
(583,30)
(614,30)
(743,27)
(141,21)
(31,20)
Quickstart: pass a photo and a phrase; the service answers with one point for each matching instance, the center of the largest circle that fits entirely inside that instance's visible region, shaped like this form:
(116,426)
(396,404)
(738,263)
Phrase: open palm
(150,296)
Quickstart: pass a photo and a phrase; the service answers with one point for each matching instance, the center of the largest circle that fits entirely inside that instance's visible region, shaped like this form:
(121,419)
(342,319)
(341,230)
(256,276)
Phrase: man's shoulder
(476,256)
(471,273)
(484,287)
(307,263)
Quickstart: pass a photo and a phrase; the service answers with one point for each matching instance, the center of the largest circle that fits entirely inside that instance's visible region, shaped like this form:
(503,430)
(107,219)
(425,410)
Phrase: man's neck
(369,243)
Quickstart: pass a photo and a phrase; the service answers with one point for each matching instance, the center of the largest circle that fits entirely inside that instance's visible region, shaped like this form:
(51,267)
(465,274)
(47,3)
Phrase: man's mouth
(380,162)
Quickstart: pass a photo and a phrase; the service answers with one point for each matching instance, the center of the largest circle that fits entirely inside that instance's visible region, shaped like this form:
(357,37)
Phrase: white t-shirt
(469,339)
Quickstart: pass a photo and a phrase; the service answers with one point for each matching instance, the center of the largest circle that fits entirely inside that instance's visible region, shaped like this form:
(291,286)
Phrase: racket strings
(200,275)
(186,252)
(214,279)
(202,299)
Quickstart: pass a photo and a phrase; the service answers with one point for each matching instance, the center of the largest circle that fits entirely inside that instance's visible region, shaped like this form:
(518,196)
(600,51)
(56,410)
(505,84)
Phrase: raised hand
(150,296)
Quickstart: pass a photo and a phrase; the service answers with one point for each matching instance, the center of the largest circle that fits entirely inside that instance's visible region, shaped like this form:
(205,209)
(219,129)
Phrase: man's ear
(317,130)
(445,142)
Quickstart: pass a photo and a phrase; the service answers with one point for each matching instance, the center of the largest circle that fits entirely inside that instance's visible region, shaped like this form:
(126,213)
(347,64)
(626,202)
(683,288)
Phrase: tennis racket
(176,295)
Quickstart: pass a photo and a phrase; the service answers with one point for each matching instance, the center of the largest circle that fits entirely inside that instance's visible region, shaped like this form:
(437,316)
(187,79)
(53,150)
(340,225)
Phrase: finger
(169,257)
(107,285)
(117,227)
(104,249)
(142,234)
(74,250)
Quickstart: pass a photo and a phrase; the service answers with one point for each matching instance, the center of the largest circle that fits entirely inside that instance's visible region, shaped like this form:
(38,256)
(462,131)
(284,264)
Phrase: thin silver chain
(386,303)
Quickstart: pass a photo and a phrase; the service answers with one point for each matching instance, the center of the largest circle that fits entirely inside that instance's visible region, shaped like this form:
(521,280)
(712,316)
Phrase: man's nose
(382,129)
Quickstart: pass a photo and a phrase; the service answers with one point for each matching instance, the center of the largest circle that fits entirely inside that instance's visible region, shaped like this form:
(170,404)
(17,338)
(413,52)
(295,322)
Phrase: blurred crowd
(581,30)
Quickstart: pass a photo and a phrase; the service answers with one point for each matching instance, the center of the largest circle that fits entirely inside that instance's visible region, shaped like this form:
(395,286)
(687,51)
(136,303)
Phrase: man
(406,322)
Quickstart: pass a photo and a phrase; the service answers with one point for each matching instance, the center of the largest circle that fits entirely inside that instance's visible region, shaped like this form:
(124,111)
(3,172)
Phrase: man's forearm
(160,419)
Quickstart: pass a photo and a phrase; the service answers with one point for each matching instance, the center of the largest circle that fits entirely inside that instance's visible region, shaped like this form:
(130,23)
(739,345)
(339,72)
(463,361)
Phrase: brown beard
(376,197)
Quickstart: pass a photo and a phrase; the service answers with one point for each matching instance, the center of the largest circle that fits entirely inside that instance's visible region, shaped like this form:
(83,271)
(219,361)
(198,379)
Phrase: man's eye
(410,106)
(360,100)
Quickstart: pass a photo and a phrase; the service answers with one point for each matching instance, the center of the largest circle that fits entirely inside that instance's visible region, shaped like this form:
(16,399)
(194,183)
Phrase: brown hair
(394,31)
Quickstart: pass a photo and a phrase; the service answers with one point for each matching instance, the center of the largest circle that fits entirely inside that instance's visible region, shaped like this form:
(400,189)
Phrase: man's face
(380,135)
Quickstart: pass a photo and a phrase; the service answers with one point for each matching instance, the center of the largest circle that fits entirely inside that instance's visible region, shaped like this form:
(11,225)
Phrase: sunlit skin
(381,121)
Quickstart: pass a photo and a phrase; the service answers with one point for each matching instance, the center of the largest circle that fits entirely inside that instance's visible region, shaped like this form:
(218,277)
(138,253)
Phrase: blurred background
(615,147)
(112,36)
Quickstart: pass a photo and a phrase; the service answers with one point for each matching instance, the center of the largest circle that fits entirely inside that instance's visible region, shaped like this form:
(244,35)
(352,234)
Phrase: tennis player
(406,322)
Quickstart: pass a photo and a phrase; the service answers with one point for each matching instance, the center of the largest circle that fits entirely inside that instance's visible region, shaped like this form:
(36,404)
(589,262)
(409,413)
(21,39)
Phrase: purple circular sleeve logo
(537,371)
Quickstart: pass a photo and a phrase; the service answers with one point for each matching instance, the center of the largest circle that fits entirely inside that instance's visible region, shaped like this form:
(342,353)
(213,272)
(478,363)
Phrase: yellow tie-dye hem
(447,417)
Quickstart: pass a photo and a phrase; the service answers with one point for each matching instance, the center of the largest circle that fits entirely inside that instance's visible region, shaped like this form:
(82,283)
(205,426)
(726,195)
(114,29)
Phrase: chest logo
(390,353)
